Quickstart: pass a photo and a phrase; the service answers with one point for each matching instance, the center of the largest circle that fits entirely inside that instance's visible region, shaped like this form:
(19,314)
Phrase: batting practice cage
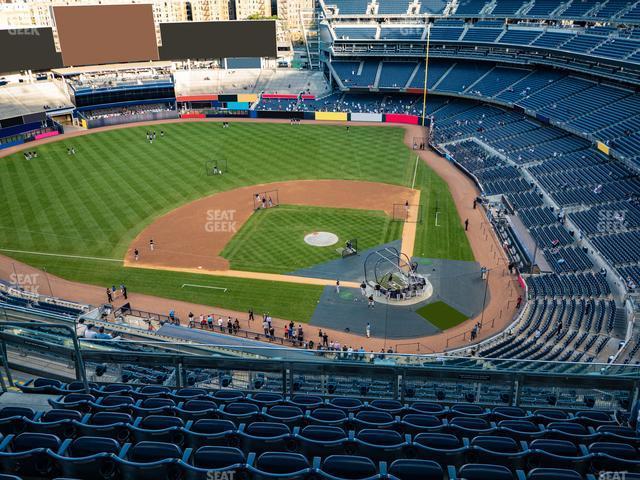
(411,213)
(392,271)
(268,199)
(217,166)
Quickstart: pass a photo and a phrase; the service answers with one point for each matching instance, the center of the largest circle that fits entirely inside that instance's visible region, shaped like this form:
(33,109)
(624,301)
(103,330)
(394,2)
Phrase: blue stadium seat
(393,407)
(113,403)
(105,424)
(59,422)
(154,406)
(444,448)
(197,408)
(287,414)
(470,426)
(149,461)
(346,404)
(210,432)
(158,428)
(73,401)
(374,419)
(280,465)
(12,419)
(554,474)
(327,416)
(414,469)
(414,423)
(150,391)
(498,450)
(184,394)
(612,457)
(47,386)
(570,431)
(349,467)
(520,429)
(559,454)
(227,396)
(265,399)
(482,472)
(381,445)
(87,457)
(321,440)
(204,462)
(26,454)
(261,437)
(240,412)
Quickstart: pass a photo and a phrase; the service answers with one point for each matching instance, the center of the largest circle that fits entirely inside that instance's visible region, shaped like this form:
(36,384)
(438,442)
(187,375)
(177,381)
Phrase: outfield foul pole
(426,75)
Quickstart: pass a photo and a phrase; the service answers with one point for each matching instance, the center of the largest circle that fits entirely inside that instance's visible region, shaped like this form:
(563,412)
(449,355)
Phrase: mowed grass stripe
(95,203)
(280,299)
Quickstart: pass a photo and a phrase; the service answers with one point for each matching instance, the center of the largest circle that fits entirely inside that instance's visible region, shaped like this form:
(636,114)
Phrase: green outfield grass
(441,315)
(96,202)
(273,240)
(280,299)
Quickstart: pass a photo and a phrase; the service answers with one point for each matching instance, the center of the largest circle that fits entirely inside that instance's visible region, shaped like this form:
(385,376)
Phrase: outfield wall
(142,117)
(332,116)
(367,117)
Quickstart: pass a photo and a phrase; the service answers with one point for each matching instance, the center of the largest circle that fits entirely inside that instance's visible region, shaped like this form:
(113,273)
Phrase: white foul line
(203,286)
(61,255)
(415,171)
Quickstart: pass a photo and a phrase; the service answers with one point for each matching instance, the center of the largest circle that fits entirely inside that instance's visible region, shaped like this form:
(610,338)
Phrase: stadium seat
(58,422)
(482,472)
(204,462)
(281,465)
(154,406)
(306,402)
(26,454)
(105,424)
(560,454)
(349,467)
(240,412)
(287,414)
(157,428)
(381,445)
(413,469)
(47,386)
(261,437)
(212,432)
(326,416)
(149,461)
(347,404)
(321,440)
(150,391)
(12,419)
(614,457)
(444,448)
(265,399)
(73,401)
(499,451)
(374,419)
(87,457)
(414,423)
(197,408)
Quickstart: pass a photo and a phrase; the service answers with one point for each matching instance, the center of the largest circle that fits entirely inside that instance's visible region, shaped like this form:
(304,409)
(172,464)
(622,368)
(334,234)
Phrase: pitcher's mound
(321,239)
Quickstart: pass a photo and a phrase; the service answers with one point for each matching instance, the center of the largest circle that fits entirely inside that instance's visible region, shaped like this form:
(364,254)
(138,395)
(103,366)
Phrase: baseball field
(77,215)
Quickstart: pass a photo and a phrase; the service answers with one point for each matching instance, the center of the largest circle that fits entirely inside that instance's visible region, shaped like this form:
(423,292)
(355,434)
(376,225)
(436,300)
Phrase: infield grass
(273,240)
(441,315)
(95,202)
